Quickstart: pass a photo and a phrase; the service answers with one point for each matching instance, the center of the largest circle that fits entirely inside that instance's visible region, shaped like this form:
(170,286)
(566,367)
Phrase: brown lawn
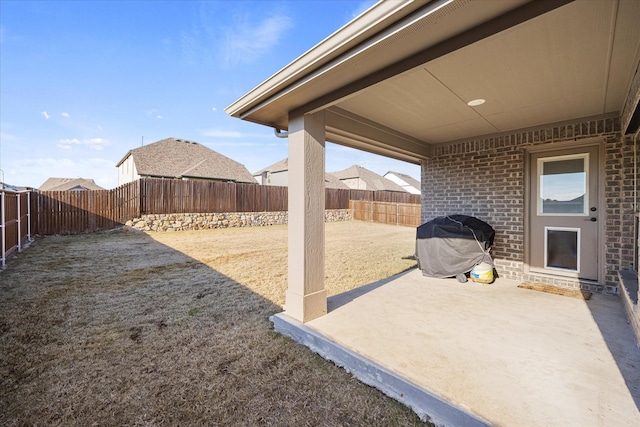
(124,328)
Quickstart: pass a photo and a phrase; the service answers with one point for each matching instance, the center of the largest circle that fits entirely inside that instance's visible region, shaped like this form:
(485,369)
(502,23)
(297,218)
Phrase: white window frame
(541,161)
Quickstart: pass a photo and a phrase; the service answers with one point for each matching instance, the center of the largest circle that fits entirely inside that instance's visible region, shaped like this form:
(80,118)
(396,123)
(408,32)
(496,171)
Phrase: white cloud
(246,41)
(214,109)
(45,115)
(155,113)
(63,114)
(218,133)
(7,136)
(239,144)
(93,143)
(223,133)
(47,162)
(33,172)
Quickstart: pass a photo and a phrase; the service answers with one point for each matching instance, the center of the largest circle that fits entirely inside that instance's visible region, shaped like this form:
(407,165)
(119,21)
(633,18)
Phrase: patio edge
(426,405)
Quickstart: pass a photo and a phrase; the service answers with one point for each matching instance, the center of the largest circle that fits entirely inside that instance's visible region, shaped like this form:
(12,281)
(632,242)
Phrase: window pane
(563,185)
(562,249)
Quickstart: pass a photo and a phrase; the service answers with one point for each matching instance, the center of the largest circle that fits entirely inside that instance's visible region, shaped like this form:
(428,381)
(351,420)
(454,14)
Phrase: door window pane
(562,248)
(563,186)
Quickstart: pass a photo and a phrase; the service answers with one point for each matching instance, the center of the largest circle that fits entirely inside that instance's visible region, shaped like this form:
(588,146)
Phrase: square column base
(305,308)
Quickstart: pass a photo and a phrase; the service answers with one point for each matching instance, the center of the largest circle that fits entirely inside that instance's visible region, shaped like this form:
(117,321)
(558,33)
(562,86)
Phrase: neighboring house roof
(409,183)
(281,166)
(178,158)
(330,181)
(69,184)
(372,180)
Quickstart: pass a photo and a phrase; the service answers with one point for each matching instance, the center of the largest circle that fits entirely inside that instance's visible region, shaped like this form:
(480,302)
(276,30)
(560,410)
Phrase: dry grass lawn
(124,328)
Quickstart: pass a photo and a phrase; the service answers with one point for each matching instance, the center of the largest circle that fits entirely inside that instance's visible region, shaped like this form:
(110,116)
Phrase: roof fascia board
(124,158)
(351,34)
(494,26)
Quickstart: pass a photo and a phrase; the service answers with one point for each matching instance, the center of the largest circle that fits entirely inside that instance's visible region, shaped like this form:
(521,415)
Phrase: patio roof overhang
(397,79)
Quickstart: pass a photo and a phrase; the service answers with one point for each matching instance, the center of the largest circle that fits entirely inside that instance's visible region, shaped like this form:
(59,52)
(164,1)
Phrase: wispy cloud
(230,36)
(93,143)
(223,133)
(156,114)
(247,40)
(46,162)
(45,115)
(63,114)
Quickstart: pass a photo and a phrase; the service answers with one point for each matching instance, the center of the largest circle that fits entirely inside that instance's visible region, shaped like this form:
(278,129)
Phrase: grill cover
(450,245)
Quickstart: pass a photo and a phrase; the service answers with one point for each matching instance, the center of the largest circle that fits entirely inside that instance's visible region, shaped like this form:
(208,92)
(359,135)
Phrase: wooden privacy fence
(15,221)
(385,212)
(68,212)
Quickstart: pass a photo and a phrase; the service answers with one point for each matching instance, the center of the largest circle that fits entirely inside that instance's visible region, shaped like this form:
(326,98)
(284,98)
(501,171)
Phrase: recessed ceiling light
(476,102)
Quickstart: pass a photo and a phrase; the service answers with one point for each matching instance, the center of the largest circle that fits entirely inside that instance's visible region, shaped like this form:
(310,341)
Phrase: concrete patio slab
(473,354)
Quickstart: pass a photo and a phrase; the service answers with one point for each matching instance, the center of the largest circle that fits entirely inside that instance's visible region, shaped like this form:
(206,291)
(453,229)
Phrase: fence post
(19,228)
(3,225)
(29,216)
(397,213)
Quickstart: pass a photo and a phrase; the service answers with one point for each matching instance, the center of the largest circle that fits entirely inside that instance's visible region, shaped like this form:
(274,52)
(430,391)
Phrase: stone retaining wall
(204,221)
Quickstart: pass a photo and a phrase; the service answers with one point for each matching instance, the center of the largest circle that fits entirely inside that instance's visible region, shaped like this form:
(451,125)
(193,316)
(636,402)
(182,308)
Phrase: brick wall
(485,178)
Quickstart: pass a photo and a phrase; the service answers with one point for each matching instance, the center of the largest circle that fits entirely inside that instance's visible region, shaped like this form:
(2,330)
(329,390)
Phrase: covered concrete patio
(472,354)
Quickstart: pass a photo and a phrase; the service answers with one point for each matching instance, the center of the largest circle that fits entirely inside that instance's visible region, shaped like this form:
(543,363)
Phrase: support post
(306,297)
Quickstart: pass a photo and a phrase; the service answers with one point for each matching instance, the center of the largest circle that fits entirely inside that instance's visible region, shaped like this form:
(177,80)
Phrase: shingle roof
(372,180)
(178,158)
(406,178)
(332,181)
(282,165)
(65,184)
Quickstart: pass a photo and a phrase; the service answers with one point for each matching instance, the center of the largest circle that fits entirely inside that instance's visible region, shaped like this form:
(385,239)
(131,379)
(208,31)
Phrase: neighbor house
(408,183)
(359,178)
(69,184)
(180,159)
(513,109)
(278,173)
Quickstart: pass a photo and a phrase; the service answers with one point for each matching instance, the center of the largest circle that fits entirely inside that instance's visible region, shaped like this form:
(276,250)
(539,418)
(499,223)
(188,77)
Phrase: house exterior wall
(485,178)
(127,171)
(280,178)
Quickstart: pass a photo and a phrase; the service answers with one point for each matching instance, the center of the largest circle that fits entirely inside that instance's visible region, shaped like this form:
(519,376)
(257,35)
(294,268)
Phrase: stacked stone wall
(205,221)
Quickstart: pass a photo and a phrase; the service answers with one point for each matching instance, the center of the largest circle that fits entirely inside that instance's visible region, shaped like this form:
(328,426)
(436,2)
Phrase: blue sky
(83,82)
